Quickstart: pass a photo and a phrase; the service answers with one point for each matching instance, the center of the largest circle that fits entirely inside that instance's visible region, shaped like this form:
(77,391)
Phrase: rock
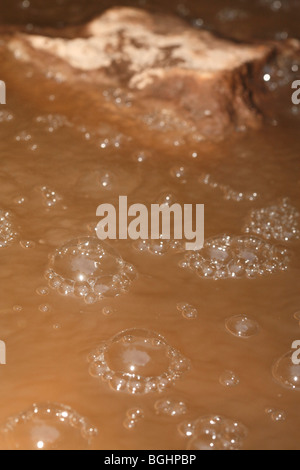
(194,76)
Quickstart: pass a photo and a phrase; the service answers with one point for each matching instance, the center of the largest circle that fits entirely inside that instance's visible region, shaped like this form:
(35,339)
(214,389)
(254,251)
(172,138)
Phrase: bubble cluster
(8,233)
(286,372)
(48,426)
(6,116)
(278,222)
(236,257)
(229,379)
(172,408)
(53,122)
(89,269)
(50,196)
(229,193)
(242,326)
(159,247)
(276,415)
(214,433)
(138,361)
(133,417)
(188,311)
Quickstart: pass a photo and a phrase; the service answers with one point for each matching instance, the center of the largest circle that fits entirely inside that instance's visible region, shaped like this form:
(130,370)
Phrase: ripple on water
(236,257)
(48,426)
(138,361)
(213,433)
(89,269)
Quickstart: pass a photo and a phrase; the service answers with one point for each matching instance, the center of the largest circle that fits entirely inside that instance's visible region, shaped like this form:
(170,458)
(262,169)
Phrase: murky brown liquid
(49,337)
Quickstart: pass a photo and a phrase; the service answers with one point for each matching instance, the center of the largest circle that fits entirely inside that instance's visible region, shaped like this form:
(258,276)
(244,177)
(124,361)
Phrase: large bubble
(277,222)
(89,269)
(236,257)
(214,433)
(48,426)
(8,232)
(286,371)
(138,361)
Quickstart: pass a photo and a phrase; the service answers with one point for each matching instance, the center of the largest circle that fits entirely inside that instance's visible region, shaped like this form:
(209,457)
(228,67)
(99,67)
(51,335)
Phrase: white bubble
(229,379)
(89,269)
(214,433)
(278,222)
(170,407)
(236,257)
(8,233)
(286,373)
(138,362)
(242,326)
(48,426)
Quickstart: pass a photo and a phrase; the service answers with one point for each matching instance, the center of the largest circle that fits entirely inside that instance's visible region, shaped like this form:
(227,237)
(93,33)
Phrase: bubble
(42,291)
(159,247)
(133,416)
(214,433)
(188,311)
(138,361)
(48,426)
(27,244)
(107,311)
(229,379)
(236,257)
(172,408)
(89,269)
(17,308)
(180,174)
(276,415)
(229,193)
(45,308)
(278,222)
(8,233)
(297,316)
(6,116)
(53,122)
(50,196)
(102,182)
(286,373)
(242,326)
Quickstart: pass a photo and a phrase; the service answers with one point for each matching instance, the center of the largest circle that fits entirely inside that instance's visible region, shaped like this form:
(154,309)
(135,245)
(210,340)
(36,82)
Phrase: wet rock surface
(211,84)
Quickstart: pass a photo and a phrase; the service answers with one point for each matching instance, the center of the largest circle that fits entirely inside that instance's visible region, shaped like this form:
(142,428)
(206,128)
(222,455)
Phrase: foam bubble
(138,361)
(286,373)
(214,433)
(50,196)
(133,417)
(89,269)
(172,408)
(236,257)
(48,426)
(103,182)
(159,247)
(229,379)
(278,222)
(242,326)
(188,311)
(8,233)
(229,193)
(276,415)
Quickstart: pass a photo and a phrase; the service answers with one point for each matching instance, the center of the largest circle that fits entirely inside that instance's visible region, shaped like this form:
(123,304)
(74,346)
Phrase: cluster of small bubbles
(138,361)
(20,200)
(45,308)
(159,247)
(179,173)
(90,270)
(242,326)
(170,407)
(278,222)
(53,122)
(118,97)
(8,233)
(100,181)
(27,244)
(229,379)
(23,137)
(115,142)
(286,372)
(133,416)
(42,291)
(229,193)
(276,415)
(236,257)
(6,116)
(187,311)
(50,196)
(48,426)
(214,433)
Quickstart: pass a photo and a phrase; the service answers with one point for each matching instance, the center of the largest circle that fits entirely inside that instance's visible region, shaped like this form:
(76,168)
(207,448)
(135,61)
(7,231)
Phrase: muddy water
(59,161)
